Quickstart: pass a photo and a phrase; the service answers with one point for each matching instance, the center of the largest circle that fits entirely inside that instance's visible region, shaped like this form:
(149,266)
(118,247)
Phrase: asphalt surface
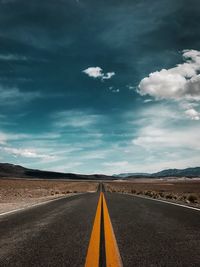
(148,233)
(53,234)
(151,233)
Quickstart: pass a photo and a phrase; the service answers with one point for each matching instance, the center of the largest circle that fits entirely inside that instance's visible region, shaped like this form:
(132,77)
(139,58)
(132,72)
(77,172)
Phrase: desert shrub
(133,191)
(151,194)
(183,198)
(192,198)
(155,195)
(161,194)
(147,193)
(169,196)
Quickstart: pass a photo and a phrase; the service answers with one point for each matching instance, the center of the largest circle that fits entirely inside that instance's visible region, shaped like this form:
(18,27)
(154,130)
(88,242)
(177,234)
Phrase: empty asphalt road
(53,234)
(151,233)
(148,233)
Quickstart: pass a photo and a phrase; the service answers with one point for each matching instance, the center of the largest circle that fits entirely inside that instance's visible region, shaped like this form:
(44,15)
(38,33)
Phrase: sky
(91,86)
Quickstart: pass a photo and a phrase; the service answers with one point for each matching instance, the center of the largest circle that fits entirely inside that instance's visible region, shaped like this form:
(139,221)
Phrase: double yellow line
(112,255)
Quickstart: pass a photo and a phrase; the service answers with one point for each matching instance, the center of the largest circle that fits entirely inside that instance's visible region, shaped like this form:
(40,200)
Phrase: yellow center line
(92,259)
(113,258)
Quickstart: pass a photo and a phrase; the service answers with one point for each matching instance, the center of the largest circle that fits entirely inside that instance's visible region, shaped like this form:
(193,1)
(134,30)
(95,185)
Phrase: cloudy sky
(93,86)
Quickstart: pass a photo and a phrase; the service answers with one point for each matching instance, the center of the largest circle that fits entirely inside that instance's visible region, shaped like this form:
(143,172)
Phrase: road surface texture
(148,233)
(151,233)
(53,234)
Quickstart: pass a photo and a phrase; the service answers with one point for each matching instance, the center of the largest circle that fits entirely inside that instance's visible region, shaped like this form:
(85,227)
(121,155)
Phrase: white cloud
(161,114)
(130,87)
(179,83)
(30,146)
(75,118)
(193,114)
(162,138)
(27,153)
(116,164)
(151,137)
(97,72)
(188,105)
(94,72)
(108,75)
(161,128)
(3,138)
(9,96)
(148,100)
(113,90)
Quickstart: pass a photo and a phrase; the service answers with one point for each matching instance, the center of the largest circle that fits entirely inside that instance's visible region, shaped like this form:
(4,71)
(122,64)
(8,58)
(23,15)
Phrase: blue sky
(100,86)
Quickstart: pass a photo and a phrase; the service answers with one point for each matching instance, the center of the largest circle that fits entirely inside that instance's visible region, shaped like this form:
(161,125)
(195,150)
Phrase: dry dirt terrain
(180,191)
(20,193)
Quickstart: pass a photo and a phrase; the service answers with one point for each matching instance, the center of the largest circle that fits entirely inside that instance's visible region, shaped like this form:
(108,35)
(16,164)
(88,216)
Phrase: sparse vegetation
(169,196)
(21,192)
(192,198)
(187,192)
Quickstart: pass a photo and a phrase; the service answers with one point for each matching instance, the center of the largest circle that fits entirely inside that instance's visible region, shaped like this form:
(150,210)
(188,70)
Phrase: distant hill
(124,175)
(189,172)
(8,170)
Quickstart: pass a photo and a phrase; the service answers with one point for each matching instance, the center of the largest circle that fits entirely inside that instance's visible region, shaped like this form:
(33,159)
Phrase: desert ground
(21,193)
(176,190)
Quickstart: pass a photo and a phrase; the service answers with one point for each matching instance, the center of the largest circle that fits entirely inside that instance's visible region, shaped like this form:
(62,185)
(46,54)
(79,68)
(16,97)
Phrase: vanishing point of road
(101,229)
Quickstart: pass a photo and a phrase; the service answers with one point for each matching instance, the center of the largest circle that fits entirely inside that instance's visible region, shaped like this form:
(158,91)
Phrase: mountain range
(188,172)
(8,170)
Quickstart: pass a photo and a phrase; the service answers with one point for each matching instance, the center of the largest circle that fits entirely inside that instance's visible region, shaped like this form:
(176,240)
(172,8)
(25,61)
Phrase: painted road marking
(113,258)
(92,259)
(38,204)
(164,201)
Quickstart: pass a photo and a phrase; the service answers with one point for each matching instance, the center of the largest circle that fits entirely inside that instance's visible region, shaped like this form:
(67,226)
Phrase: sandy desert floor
(180,191)
(21,193)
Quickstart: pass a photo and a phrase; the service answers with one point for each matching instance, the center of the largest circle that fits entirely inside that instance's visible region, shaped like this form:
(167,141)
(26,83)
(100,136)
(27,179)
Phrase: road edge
(163,201)
(39,204)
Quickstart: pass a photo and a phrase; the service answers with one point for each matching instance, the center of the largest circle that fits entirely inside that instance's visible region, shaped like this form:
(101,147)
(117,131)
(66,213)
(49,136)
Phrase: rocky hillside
(15,171)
